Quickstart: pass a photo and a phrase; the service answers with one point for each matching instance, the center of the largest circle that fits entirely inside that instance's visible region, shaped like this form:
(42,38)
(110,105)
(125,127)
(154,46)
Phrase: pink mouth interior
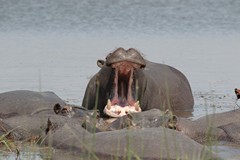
(123,84)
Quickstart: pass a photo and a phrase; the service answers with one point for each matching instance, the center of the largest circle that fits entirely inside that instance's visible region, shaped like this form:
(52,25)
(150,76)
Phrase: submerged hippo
(215,127)
(129,83)
(24,102)
(151,143)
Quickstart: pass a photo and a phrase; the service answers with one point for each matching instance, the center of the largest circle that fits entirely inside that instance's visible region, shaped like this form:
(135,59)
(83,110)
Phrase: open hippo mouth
(122,100)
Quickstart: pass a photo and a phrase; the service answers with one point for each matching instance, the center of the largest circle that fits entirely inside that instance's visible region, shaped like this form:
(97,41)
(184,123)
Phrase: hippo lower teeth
(118,111)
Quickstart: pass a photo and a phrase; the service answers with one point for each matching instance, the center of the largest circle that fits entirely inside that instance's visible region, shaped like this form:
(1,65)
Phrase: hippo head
(122,99)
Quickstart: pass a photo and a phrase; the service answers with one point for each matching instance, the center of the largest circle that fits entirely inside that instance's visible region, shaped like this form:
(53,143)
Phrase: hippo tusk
(137,106)
(109,104)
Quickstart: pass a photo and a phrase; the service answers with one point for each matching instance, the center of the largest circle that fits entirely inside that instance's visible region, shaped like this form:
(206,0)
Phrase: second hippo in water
(129,83)
(224,127)
(25,102)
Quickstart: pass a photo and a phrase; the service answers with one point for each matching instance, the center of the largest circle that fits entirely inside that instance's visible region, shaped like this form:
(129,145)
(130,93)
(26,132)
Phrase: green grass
(7,145)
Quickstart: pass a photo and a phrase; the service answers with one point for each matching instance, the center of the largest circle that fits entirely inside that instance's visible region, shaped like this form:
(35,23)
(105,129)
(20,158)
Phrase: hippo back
(26,102)
(164,87)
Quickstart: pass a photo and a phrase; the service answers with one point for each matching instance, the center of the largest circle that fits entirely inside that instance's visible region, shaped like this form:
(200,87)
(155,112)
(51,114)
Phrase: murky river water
(54,45)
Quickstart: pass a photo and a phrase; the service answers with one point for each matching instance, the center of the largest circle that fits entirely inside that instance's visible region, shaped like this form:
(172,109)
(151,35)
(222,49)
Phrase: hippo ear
(101,63)
(172,122)
(57,108)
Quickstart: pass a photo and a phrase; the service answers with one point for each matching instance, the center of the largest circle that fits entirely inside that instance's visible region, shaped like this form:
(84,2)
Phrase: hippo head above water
(128,83)
(122,98)
(131,56)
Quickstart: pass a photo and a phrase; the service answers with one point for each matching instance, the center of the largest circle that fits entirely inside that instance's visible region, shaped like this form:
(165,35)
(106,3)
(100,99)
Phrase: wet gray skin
(19,109)
(27,126)
(72,111)
(153,118)
(125,78)
(69,135)
(131,55)
(28,102)
(213,127)
(148,119)
(151,143)
(8,115)
(9,132)
(25,113)
(232,130)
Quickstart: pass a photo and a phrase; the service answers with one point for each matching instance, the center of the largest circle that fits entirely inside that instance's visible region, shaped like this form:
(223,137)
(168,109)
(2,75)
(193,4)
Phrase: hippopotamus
(223,126)
(73,111)
(23,102)
(24,113)
(61,128)
(128,83)
(151,143)
(153,118)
